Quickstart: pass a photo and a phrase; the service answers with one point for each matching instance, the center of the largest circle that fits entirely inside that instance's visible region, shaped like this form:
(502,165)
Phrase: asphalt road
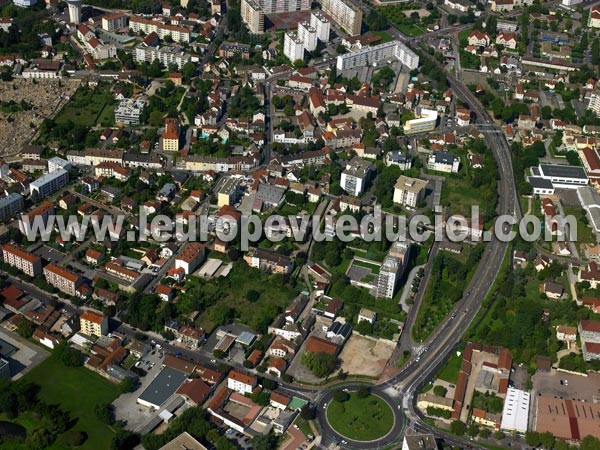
(396,430)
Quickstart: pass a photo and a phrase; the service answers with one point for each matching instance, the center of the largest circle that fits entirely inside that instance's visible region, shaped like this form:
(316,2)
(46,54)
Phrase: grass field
(585,235)
(361,419)
(373,267)
(451,369)
(77,390)
(88,107)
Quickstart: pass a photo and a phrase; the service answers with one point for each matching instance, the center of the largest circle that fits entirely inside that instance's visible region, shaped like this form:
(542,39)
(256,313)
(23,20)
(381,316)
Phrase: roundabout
(356,419)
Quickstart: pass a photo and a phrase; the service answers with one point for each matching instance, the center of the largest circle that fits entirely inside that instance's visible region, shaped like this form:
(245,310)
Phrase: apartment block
(166,55)
(308,34)
(228,192)
(409,191)
(178,34)
(49,183)
(293,46)
(345,13)
(93,324)
(355,176)
(320,23)
(62,279)
(378,54)
(116,21)
(253,16)
(24,261)
(129,111)
(10,206)
(389,274)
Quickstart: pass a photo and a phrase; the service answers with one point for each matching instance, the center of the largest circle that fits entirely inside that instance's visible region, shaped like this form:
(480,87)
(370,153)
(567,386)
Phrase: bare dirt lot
(364,356)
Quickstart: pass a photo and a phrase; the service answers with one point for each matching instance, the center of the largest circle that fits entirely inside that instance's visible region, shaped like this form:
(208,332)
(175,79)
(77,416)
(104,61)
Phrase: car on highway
(324,405)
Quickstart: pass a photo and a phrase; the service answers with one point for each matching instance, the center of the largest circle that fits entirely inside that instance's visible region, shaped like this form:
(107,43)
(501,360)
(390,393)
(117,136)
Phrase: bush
(363,392)
(440,391)
(458,428)
(73,438)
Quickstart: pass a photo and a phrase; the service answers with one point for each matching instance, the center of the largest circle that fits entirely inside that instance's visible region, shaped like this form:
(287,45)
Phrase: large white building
(409,191)
(178,34)
(308,35)
(320,23)
(49,183)
(443,162)
(345,13)
(166,55)
(426,121)
(378,54)
(355,176)
(253,11)
(293,46)
(74,11)
(561,176)
(515,414)
(253,16)
(129,111)
(389,273)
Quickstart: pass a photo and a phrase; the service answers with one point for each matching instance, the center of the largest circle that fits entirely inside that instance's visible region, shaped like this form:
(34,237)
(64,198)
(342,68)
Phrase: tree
(458,428)
(265,442)
(546,112)
(104,413)
(188,71)
(499,435)
(589,443)
(484,433)
(320,364)
(596,52)
(68,356)
(532,438)
(252,295)
(124,440)
(126,385)
(26,328)
(547,440)
(341,396)
(308,412)
(363,392)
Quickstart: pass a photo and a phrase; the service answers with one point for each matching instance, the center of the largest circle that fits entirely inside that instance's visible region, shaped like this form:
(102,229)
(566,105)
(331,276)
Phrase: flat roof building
(515,415)
(166,383)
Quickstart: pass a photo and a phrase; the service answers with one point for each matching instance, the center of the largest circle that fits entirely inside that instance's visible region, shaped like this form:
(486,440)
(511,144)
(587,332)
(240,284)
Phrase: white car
(325,406)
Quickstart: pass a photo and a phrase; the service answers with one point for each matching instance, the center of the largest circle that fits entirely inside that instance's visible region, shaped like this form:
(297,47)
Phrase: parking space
(50,254)
(568,386)
(126,408)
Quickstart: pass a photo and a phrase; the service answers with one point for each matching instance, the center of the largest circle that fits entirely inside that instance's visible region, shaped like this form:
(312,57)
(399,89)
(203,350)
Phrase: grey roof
(553,170)
(7,349)
(13,197)
(540,183)
(398,157)
(163,386)
(420,441)
(269,193)
(444,157)
(167,189)
(246,338)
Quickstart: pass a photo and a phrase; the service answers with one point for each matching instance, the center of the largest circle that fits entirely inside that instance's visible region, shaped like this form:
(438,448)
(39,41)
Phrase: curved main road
(405,386)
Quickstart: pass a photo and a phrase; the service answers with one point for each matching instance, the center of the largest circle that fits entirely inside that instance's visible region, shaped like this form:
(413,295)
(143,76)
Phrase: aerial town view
(329,224)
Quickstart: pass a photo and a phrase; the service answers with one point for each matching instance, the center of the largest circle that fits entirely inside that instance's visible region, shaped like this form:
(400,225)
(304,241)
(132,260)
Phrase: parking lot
(49,254)
(575,387)
(126,407)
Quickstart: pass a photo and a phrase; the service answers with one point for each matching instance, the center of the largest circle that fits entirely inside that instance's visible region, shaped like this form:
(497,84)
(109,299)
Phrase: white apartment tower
(388,277)
(74,11)
(345,13)
(308,35)
(293,47)
(253,16)
(320,23)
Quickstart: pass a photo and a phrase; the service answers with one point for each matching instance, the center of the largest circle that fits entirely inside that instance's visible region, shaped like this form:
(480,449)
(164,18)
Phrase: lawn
(384,35)
(361,419)
(77,390)
(459,195)
(451,369)
(585,235)
(222,296)
(88,107)
(373,267)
